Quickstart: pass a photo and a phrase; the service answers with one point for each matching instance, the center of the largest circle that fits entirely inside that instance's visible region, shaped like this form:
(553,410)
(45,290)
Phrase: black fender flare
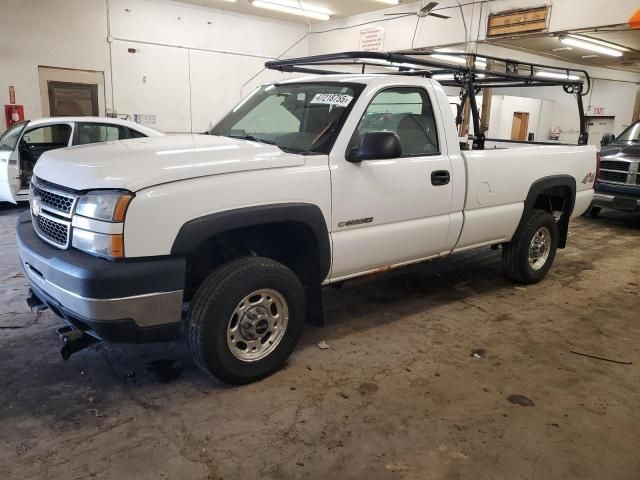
(195,231)
(546,183)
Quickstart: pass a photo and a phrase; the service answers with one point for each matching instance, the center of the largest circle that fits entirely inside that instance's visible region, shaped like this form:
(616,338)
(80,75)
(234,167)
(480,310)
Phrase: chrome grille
(620,171)
(615,165)
(52,230)
(51,212)
(610,176)
(55,200)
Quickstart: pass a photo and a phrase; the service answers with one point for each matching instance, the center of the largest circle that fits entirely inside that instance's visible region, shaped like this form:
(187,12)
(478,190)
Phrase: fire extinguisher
(13,114)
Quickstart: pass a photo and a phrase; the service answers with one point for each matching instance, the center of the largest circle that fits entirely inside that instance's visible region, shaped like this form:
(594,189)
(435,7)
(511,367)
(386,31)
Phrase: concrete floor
(397,395)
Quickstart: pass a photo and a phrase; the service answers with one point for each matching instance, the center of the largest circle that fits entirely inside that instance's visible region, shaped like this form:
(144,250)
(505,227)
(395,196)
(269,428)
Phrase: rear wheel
(246,319)
(530,254)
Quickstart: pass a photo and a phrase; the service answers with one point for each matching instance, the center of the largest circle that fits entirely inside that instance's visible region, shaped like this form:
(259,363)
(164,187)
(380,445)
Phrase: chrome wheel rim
(539,248)
(257,325)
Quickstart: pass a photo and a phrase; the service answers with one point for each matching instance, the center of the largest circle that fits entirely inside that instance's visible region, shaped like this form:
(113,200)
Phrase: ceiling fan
(423,12)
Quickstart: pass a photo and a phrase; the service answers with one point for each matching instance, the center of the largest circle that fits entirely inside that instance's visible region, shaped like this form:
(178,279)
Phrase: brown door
(73,99)
(520,126)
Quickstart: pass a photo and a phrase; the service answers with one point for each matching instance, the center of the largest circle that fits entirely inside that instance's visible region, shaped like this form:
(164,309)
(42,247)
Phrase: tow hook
(35,304)
(74,340)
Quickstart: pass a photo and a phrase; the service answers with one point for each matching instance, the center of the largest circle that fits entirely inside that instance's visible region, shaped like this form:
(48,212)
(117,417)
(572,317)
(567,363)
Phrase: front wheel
(246,319)
(530,254)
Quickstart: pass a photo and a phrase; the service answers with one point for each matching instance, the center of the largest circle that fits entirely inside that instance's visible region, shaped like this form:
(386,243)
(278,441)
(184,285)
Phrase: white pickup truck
(225,239)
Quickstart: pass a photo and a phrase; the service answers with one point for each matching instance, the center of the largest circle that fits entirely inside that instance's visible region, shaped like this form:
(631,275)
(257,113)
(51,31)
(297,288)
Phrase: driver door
(9,163)
(388,212)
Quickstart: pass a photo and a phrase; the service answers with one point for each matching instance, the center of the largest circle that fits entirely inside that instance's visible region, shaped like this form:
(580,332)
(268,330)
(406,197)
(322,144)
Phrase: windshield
(9,138)
(300,118)
(631,134)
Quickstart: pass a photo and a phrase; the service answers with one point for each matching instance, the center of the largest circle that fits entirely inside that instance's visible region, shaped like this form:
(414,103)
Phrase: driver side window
(407,112)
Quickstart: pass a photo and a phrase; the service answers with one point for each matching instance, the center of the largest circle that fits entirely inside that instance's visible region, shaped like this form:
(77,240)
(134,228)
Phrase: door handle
(440,177)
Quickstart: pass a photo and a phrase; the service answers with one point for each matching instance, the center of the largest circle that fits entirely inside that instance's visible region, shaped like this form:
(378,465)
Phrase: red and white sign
(372,39)
(12,95)
(596,112)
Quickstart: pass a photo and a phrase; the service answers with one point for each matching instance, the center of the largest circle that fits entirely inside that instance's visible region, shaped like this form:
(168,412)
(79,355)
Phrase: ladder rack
(470,72)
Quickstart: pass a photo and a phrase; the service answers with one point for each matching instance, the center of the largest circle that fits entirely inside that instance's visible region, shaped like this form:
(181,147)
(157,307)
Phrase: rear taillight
(597,165)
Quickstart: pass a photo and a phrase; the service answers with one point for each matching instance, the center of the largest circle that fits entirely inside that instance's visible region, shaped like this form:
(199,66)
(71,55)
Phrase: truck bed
(499,179)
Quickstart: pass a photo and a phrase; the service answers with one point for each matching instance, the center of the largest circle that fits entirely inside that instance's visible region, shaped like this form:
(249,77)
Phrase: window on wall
(407,112)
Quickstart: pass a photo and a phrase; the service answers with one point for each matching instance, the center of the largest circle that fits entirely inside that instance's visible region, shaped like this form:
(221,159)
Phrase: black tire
(515,255)
(594,211)
(214,304)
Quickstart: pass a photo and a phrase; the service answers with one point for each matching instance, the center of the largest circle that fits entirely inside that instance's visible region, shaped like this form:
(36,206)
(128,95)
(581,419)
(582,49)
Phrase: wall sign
(144,118)
(12,95)
(372,39)
(596,112)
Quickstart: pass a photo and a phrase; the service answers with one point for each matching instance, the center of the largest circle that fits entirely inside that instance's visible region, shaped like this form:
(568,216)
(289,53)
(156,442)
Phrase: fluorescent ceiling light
(481,63)
(599,42)
(449,76)
(293,8)
(557,75)
(389,2)
(588,45)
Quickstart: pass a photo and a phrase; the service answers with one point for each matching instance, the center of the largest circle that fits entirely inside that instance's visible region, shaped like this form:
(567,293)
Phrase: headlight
(106,205)
(97,223)
(100,244)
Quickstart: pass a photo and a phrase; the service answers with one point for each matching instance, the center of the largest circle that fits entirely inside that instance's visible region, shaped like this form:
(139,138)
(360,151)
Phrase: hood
(625,150)
(144,162)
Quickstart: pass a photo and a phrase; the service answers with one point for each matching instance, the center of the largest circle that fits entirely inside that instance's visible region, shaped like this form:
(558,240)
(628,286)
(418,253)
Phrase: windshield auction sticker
(332,99)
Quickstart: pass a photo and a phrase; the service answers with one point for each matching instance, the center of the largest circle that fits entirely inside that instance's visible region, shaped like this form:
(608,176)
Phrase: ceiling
(340,8)
(547,45)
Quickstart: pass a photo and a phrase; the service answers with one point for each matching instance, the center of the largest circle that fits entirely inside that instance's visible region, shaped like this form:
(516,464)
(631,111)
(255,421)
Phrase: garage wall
(187,69)
(190,62)
(56,33)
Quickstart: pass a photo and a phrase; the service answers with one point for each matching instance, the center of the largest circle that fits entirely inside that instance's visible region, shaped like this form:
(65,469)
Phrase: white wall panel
(198,27)
(155,81)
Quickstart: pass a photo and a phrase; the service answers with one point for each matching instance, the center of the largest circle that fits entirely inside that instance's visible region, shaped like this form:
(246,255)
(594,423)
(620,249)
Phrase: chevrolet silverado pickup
(225,239)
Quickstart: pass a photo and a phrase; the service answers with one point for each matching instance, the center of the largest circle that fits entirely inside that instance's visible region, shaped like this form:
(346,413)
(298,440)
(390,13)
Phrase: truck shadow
(370,302)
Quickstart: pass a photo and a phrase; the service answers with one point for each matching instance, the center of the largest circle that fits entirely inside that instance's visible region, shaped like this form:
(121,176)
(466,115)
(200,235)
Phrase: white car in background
(22,144)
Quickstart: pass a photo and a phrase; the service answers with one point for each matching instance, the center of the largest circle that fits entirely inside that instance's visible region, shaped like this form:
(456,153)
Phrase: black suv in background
(618,177)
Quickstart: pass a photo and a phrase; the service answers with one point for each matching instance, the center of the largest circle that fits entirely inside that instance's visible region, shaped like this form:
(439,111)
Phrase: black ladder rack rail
(498,73)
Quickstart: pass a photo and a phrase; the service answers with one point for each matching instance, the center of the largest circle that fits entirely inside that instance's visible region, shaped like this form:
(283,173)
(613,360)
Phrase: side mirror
(376,146)
(607,139)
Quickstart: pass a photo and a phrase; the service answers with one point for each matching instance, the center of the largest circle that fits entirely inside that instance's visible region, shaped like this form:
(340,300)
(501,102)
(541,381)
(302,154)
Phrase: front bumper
(132,301)
(616,201)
